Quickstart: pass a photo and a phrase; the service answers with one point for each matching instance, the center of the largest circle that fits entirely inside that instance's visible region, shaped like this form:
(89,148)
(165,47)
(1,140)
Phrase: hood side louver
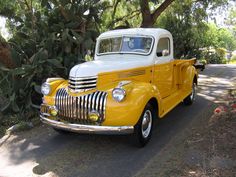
(82,84)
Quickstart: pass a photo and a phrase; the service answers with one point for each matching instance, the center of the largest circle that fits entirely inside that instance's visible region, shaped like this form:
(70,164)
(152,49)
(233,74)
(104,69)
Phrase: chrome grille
(76,109)
(81,84)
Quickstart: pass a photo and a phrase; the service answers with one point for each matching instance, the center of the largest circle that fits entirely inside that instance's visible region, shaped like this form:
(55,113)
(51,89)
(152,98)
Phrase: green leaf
(55,63)
(88,43)
(18,71)
(72,25)
(37,88)
(79,38)
(6,107)
(14,106)
(3,68)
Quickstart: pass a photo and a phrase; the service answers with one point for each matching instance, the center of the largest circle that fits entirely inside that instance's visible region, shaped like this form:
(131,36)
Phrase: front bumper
(88,129)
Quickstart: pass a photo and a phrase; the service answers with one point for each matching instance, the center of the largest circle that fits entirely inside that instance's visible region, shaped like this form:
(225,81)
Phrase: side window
(163,47)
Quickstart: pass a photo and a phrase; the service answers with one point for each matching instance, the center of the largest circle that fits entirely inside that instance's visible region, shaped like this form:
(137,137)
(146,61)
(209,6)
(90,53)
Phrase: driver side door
(163,67)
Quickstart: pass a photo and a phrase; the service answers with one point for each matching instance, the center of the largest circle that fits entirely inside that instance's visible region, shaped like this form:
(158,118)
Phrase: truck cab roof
(155,32)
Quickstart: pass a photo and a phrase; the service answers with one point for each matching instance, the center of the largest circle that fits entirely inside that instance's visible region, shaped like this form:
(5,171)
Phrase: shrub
(224,61)
(45,45)
(214,56)
(203,61)
(233,58)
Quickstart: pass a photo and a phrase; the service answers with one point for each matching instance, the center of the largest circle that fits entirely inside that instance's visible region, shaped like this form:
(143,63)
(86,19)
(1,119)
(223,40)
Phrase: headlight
(45,88)
(118,94)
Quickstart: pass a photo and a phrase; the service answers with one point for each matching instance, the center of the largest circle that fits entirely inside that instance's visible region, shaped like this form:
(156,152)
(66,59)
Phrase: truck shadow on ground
(96,155)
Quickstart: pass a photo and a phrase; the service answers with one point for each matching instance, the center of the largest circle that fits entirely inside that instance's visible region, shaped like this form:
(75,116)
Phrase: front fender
(55,84)
(127,112)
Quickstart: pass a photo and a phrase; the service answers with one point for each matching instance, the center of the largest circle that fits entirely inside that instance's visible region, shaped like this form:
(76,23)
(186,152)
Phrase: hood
(93,68)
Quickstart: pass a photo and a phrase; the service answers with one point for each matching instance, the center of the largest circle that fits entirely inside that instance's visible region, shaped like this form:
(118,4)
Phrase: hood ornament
(123,83)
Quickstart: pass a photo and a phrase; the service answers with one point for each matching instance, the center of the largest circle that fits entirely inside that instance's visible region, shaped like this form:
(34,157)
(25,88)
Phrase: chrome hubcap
(192,96)
(146,123)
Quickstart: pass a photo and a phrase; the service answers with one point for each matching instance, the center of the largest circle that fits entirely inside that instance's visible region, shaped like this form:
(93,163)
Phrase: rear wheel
(190,99)
(143,129)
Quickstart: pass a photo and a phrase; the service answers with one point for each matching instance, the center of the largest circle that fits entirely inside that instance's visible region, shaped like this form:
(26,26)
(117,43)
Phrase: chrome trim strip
(82,82)
(80,90)
(83,78)
(94,129)
(82,86)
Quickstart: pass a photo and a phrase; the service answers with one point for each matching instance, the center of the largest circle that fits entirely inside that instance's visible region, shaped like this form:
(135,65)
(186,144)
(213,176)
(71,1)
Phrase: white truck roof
(135,31)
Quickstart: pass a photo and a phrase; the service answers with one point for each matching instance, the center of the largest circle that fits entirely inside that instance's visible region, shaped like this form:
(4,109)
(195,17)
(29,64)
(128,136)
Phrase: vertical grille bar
(97,101)
(82,108)
(94,101)
(76,109)
(85,117)
(63,102)
(69,106)
(102,104)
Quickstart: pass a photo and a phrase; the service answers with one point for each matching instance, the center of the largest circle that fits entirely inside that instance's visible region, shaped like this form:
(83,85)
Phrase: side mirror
(165,52)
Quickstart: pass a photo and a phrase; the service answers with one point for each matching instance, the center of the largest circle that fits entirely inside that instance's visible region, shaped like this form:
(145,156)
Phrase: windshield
(125,44)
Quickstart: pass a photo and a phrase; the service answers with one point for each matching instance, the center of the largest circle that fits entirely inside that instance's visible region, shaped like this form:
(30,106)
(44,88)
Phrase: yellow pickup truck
(133,80)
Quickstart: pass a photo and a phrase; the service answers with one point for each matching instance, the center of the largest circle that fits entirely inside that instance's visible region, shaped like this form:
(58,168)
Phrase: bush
(224,61)
(214,56)
(233,58)
(31,56)
(203,61)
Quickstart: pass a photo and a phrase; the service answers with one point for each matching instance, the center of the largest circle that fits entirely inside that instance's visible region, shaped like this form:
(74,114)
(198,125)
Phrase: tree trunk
(148,18)
(5,56)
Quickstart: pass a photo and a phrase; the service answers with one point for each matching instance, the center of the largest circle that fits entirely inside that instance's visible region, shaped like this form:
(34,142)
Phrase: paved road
(44,152)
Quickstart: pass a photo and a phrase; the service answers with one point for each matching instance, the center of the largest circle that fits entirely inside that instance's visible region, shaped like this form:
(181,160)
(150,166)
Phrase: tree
(186,20)
(149,18)
(136,13)
(145,13)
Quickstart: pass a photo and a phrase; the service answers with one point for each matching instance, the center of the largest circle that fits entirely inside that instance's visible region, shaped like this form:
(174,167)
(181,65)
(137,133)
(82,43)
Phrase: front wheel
(190,99)
(143,129)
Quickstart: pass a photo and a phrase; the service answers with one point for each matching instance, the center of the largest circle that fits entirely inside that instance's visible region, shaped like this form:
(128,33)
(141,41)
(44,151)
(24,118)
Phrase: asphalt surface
(44,152)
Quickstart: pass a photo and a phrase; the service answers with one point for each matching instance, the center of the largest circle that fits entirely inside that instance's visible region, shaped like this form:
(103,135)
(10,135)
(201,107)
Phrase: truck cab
(133,80)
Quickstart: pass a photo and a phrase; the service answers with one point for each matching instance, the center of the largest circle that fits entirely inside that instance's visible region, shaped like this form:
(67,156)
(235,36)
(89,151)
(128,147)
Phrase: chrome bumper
(88,129)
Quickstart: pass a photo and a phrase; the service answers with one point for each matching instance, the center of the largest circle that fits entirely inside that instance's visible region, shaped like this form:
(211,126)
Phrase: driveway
(44,152)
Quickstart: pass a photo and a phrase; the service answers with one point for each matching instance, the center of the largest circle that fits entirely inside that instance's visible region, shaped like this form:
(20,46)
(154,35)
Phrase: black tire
(190,98)
(142,130)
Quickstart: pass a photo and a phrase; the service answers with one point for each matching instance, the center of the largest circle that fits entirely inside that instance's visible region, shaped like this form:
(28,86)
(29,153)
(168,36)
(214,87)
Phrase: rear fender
(189,73)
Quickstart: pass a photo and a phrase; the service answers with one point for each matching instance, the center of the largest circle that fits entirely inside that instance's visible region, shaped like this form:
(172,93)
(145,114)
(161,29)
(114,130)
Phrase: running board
(171,101)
